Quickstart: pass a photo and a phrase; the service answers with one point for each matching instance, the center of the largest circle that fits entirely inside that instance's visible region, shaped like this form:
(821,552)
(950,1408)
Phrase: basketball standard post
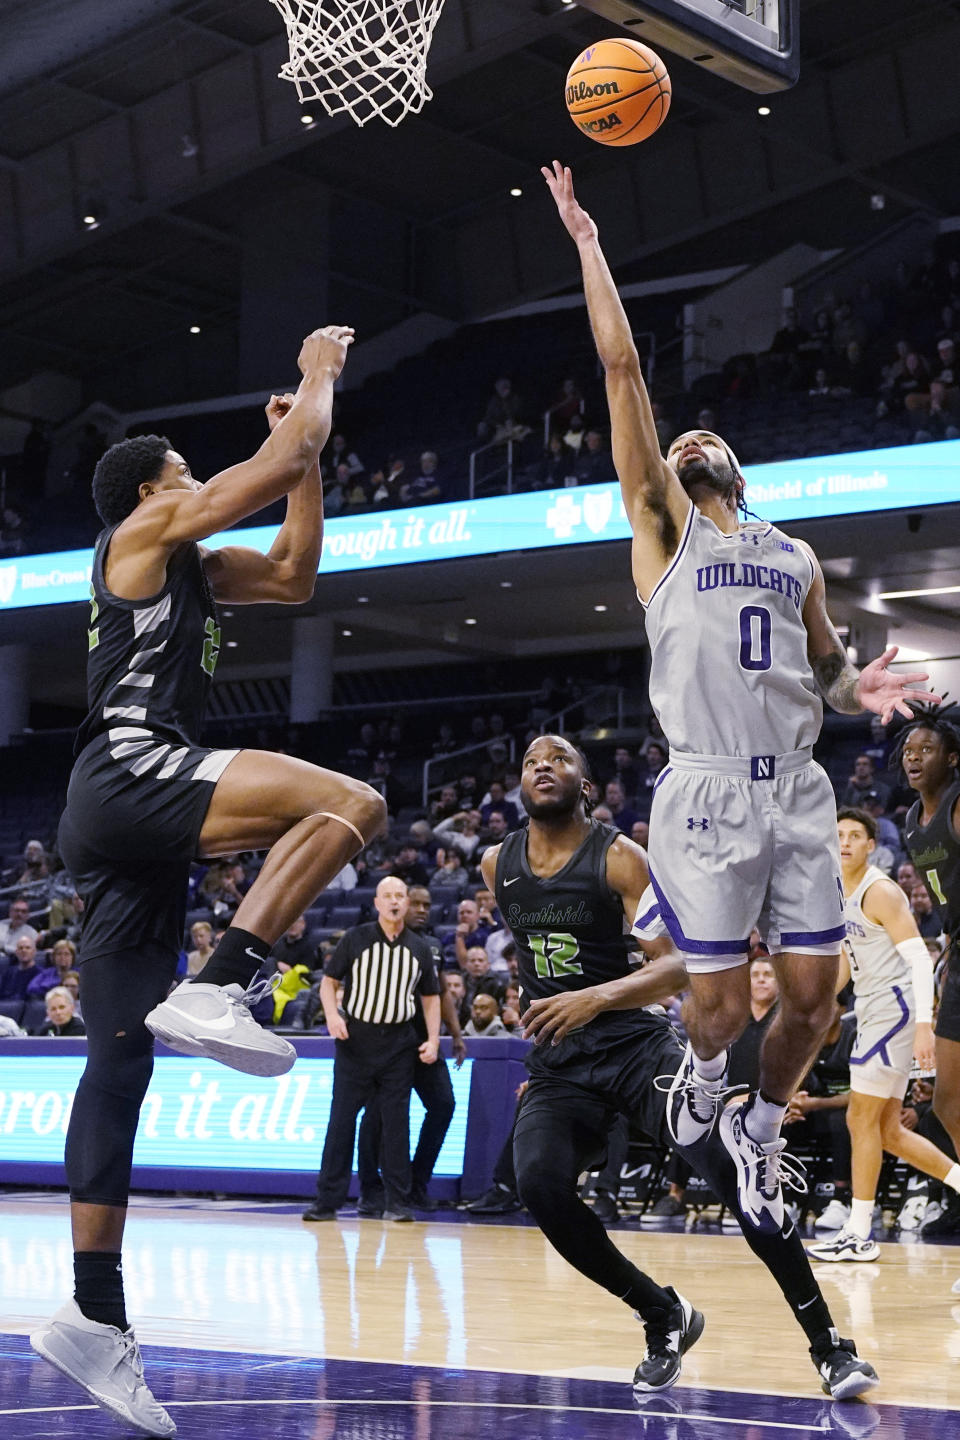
(754,43)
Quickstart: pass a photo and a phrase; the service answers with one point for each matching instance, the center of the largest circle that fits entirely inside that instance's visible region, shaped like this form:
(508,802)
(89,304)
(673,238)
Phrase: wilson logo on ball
(583,91)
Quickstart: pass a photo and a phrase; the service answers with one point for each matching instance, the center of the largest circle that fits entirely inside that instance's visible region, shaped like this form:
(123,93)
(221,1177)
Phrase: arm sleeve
(917,956)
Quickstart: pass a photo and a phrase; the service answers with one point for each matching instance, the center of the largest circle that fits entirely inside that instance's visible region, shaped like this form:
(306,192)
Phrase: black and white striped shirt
(381,977)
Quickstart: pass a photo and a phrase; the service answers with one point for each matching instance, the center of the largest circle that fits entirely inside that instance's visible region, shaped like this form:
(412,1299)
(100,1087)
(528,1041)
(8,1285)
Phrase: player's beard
(719,478)
(557,807)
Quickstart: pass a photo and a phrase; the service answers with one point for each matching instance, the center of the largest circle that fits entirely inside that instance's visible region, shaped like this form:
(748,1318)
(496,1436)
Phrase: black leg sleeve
(550,1151)
(432,1083)
(116,994)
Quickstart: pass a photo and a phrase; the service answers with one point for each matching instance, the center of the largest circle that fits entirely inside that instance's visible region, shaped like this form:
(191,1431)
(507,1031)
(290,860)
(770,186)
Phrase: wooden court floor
(491,1297)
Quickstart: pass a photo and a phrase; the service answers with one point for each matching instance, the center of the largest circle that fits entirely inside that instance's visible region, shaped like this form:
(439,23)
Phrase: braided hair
(942,720)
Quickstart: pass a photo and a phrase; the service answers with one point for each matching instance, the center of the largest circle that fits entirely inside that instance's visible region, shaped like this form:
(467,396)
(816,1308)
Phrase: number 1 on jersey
(755,626)
(556,955)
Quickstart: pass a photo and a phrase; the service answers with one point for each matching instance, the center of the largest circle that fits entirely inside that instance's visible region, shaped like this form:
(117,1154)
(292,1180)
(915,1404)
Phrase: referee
(382,965)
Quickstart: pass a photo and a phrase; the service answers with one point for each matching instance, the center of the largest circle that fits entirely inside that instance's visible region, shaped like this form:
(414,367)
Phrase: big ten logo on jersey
(211,645)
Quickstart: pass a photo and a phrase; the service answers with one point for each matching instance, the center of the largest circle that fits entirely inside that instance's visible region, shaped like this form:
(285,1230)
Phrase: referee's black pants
(375,1065)
(433,1085)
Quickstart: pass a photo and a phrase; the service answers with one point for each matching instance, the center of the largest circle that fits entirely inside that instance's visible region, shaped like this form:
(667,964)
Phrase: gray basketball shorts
(882,1055)
(738,843)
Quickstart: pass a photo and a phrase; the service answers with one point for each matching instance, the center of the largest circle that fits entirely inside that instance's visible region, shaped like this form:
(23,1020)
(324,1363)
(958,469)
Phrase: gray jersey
(875,962)
(729,672)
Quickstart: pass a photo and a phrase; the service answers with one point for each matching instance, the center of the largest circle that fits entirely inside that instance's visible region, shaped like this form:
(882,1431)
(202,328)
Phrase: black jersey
(151,661)
(569,928)
(935,852)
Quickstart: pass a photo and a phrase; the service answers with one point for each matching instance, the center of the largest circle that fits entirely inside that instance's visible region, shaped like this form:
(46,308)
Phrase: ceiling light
(346,633)
(232,644)
(194,329)
(91,222)
(516,191)
(306,119)
(599,608)
(469,620)
(363,599)
(506,584)
(763,109)
(910,594)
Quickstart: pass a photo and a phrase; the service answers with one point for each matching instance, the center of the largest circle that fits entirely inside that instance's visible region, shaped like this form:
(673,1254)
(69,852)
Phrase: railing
(560,405)
(508,741)
(557,724)
(488,477)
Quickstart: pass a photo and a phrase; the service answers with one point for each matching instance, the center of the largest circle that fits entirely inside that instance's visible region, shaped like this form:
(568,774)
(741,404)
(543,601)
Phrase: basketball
(618,92)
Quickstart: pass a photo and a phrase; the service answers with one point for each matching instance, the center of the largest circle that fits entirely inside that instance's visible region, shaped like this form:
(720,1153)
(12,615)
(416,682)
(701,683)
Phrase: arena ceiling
(165,120)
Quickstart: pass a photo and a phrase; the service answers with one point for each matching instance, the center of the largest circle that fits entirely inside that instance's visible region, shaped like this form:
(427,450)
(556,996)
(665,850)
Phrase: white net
(368,57)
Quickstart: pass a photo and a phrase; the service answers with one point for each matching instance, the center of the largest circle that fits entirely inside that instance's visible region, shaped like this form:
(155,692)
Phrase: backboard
(754,43)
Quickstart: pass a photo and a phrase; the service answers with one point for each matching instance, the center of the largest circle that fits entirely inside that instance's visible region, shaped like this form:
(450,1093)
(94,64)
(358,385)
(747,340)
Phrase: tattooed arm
(842,685)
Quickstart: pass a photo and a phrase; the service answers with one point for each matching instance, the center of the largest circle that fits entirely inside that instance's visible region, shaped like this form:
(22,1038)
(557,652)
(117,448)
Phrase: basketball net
(368,57)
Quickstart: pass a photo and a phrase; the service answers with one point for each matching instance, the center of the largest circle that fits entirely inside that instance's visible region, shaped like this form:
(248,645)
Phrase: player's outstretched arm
(287,573)
(172,517)
(842,685)
(557,1015)
(653,497)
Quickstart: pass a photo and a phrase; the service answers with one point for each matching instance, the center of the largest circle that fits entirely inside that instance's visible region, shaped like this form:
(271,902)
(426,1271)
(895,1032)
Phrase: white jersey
(729,672)
(875,962)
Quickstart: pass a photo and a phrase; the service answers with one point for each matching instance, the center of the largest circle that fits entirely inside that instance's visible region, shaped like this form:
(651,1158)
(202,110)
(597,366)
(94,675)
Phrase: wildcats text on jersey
(750,576)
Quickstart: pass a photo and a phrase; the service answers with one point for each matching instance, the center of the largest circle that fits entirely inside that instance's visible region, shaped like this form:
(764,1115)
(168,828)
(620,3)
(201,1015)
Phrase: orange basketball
(618,92)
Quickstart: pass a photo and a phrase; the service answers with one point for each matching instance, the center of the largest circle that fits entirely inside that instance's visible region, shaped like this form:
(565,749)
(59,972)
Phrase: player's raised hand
(560,184)
(276,407)
(325,349)
(887,695)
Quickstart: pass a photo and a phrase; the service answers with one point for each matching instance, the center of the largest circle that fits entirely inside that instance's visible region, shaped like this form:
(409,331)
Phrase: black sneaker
(401,1213)
(495,1201)
(843,1374)
(317,1212)
(668,1205)
(670,1333)
(947,1222)
(369,1209)
(420,1200)
(605,1208)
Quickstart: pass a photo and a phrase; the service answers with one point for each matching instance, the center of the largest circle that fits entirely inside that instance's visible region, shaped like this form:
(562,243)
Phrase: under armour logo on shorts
(694,824)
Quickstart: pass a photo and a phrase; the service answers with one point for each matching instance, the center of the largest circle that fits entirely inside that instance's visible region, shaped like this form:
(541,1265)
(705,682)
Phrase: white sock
(764,1119)
(861,1218)
(952,1178)
(710,1070)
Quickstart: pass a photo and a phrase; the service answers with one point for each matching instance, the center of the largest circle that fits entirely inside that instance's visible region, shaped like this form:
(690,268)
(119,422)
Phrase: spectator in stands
(485,1017)
(382,779)
(61,1015)
(296,946)
(666,429)
(450,875)
(921,907)
(35,866)
(470,931)
(854,375)
(457,990)
(764,998)
(341,454)
(496,801)
(201,934)
(363,751)
(222,888)
(556,466)
(421,835)
(907,877)
(479,979)
(783,358)
(503,417)
(657,757)
(462,831)
(426,487)
(15,980)
(357,496)
(889,846)
(346,879)
(63,958)
(640,833)
(446,741)
(821,388)
(334,491)
(906,387)
(408,866)
(569,402)
(616,801)
(16,925)
(71,982)
(510,1012)
(625,770)
(594,462)
(819,1110)
(493,833)
(445,806)
(862,782)
(573,436)
(10,1030)
(939,422)
(946,369)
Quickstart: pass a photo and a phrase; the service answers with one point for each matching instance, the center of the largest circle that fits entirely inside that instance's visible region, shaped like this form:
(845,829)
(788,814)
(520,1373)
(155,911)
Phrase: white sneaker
(214,1022)
(833,1217)
(758,1170)
(692,1102)
(845,1245)
(106,1363)
(913,1211)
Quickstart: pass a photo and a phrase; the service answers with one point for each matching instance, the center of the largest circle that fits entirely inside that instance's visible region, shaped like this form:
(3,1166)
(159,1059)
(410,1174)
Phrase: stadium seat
(13,1009)
(34,1014)
(341,917)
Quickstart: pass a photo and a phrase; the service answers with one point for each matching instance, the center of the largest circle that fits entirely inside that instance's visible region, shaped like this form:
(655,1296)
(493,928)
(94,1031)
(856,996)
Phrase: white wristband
(917,956)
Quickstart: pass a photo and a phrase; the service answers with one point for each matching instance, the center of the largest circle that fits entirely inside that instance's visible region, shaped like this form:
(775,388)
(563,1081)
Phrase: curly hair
(942,720)
(121,471)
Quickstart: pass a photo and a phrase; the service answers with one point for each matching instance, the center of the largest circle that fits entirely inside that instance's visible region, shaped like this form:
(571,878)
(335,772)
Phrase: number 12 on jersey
(755,626)
(556,955)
